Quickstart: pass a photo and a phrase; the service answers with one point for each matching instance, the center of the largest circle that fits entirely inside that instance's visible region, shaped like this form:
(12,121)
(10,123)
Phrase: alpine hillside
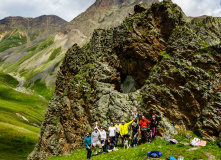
(157,61)
(23,43)
(21,115)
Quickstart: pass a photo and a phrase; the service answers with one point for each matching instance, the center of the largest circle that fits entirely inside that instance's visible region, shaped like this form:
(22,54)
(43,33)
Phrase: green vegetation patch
(11,101)
(21,116)
(8,80)
(165,55)
(140,152)
(33,50)
(16,143)
(12,40)
(41,88)
(57,64)
(46,44)
(34,36)
(42,45)
(56,52)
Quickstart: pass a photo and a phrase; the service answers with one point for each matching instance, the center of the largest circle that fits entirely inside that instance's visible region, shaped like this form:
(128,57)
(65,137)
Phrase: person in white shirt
(103,137)
(135,115)
(95,140)
(112,131)
(117,126)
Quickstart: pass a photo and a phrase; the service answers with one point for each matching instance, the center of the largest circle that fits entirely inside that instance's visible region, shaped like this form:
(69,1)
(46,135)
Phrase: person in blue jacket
(87,141)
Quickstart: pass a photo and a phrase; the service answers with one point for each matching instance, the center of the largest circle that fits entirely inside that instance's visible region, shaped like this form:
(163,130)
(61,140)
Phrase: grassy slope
(140,152)
(38,86)
(34,55)
(12,39)
(18,136)
(32,52)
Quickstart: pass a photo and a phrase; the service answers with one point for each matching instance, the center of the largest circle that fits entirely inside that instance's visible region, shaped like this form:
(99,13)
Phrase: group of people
(108,144)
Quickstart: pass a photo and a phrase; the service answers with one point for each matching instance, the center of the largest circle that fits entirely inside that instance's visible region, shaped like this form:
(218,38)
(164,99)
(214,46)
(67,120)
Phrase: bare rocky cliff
(102,14)
(173,65)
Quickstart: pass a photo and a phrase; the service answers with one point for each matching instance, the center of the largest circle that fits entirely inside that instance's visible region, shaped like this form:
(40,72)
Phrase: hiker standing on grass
(124,131)
(117,126)
(95,140)
(153,125)
(87,142)
(112,131)
(135,132)
(103,136)
(143,128)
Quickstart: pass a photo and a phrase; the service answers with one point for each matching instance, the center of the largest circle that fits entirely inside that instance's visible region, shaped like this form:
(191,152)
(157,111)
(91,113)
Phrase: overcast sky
(68,9)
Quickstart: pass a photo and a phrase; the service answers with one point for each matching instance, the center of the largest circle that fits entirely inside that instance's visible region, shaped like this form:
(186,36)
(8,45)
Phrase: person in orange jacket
(143,126)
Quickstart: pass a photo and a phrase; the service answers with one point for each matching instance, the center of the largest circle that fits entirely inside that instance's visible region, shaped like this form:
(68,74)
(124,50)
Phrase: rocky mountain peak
(13,22)
(108,3)
(16,22)
(48,20)
(102,14)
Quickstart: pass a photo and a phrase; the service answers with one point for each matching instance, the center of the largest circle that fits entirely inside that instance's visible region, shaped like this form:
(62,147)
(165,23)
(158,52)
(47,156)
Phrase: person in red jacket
(143,126)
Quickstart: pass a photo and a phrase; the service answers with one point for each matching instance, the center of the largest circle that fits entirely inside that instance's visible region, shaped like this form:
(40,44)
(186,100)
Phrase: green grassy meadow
(21,115)
(140,152)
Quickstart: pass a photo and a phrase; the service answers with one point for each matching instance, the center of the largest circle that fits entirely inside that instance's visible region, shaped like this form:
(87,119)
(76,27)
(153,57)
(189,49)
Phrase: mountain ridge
(102,14)
(41,22)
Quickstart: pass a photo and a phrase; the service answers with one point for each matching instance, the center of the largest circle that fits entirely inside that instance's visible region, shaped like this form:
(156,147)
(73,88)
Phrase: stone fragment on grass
(193,149)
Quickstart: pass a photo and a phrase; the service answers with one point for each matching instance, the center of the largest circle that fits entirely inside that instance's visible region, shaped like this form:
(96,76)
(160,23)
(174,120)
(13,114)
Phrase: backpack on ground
(195,142)
(203,143)
(171,158)
(219,144)
(154,154)
(173,141)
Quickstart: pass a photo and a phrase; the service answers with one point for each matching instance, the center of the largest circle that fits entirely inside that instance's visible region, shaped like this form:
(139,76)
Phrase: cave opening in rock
(127,84)
(132,66)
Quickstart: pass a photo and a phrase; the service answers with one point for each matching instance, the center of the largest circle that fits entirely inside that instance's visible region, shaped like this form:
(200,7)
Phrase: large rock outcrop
(173,63)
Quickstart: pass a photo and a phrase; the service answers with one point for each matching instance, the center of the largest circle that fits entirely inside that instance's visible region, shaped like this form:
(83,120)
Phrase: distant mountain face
(18,30)
(50,23)
(34,48)
(203,16)
(102,14)
(24,43)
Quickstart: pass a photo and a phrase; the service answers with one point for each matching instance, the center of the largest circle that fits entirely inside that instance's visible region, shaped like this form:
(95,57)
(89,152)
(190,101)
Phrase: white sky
(196,8)
(68,9)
